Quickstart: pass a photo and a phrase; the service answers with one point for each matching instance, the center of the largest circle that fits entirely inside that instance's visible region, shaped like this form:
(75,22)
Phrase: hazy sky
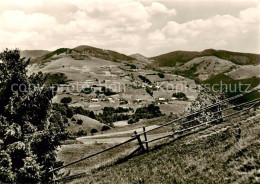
(131,26)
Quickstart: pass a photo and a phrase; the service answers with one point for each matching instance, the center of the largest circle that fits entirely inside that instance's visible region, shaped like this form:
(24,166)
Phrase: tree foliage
(30,129)
(66,100)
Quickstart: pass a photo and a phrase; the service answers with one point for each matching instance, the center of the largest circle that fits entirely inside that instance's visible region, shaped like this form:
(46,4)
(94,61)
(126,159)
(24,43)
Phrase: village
(121,86)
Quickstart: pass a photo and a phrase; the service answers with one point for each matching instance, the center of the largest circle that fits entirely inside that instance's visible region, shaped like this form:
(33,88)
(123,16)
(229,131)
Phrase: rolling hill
(177,58)
(140,57)
(82,52)
(207,66)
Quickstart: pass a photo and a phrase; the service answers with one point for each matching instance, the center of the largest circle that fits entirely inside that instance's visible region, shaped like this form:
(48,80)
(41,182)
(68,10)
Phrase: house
(94,100)
(174,98)
(161,99)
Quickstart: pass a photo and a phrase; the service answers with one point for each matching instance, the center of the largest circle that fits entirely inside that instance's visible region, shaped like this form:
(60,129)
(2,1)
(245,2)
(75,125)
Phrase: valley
(108,91)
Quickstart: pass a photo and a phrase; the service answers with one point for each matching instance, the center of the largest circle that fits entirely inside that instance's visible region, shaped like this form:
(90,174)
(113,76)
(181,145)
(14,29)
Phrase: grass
(71,152)
(205,157)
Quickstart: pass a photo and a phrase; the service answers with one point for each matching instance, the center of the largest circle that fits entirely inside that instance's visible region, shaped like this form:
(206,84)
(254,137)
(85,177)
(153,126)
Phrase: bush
(144,79)
(107,91)
(104,128)
(66,100)
(131,121)
(149,91)
(56,78)
(87,90)
(161,75)
(81,133)
(132,66)
(180,95)
(79,122)
(93,131)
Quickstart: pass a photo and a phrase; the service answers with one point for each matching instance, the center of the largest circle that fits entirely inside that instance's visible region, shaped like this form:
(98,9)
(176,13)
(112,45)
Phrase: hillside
(207,66)
(140,57)
(84,126)
(246,71)
(180,57)
(211,156)
(82,52)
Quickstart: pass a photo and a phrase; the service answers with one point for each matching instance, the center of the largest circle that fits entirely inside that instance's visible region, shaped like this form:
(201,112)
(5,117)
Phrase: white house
(94,100)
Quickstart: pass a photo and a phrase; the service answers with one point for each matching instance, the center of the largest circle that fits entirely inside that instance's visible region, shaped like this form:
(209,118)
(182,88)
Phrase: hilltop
(140,57)
(82,52)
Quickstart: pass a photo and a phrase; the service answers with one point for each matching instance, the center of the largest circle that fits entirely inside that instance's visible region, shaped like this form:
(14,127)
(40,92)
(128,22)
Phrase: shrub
(144,79)
(105,127)
(149,91)
(161,75)
(123,101)
(66,100)
(79,122)
(81,133)
(132,66)
(93,131)
(131,121)
(56,78)
(107,91)
(87,90)
(180,95)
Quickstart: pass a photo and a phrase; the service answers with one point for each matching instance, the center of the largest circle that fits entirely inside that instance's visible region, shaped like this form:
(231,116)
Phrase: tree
(66,100)
(180,95)
(93,130)
(161,75)
(30,130)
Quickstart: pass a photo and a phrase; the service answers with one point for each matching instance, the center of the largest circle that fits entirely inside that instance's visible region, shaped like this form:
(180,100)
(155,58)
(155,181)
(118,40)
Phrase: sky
(147,27)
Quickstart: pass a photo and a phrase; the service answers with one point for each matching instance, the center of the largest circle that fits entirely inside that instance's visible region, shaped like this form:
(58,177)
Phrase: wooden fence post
(145,139)
(139,141)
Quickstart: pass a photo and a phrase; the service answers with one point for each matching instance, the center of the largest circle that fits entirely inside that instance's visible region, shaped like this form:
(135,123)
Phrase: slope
(80,53)
(180,57)
(140,57)
(207,66)
(211,156)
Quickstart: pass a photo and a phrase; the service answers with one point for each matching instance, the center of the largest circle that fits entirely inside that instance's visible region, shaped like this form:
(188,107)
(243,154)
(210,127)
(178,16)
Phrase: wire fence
(221,115)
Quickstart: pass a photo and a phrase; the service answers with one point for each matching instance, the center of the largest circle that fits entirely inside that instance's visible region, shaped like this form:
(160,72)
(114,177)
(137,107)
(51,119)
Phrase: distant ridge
(82,52)
(180,57)
(140,57)
(33,53)
(102,53)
